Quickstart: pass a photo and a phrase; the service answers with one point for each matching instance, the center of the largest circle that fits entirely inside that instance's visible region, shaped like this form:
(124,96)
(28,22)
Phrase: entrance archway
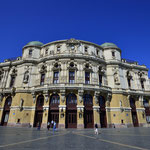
(88,111)
(103,119)
(54,109)
(6,111)
(71,111)
(133,112)
(39,111)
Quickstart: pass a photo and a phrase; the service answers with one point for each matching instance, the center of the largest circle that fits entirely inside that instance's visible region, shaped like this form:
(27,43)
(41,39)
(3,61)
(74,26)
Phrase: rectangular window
(100,80)
(58,48)
(71,77)
(97,51)
(87,77)
(12,81)
(46,51)
(42,79)
(113,54)
(86,49)
(30,52)
(142,84)
(129,82)
(56,77)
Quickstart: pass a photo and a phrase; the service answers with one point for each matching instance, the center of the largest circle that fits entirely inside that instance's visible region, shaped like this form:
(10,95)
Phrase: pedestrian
(38,126)
(52,123)
(54,127)
(96,128)
(48,125)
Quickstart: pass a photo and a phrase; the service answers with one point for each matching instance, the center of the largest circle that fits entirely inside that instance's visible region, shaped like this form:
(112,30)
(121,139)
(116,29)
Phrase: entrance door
(5,118)
(71,119)
(88,118)
(135,119)
(38,118)
(103,119)
(54,115)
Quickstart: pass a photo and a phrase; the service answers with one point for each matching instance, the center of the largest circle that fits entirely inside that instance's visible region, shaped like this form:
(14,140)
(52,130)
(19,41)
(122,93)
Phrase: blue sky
(123,22)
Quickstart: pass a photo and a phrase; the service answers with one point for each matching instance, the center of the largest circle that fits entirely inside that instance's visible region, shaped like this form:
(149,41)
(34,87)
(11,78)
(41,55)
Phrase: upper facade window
(113,53)
(12,81)
(58,48)
(85,49)
(56,77)
(42,79)
(87,77)
(97,52)
(71,77)
(30,52)
(46,52)
(100,79)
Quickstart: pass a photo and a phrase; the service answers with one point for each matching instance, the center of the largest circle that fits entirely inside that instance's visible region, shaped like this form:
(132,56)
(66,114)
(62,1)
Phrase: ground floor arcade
(75,109)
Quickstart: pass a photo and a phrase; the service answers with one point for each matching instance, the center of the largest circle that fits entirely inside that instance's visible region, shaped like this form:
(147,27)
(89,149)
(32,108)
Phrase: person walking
(48,125)
(38,126)
(54,127)
(52,124)
(96,128)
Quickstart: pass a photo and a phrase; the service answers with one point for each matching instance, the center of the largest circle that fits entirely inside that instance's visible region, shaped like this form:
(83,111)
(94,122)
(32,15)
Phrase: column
(62,109)
(96,108)
(45,109)
(80,110)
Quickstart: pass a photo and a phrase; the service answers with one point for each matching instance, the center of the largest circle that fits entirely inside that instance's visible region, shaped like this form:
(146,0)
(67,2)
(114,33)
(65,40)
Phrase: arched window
(40,101)
(132,103)
(71,98)
(101,101)
(8,102)
(55,99)
(88,99)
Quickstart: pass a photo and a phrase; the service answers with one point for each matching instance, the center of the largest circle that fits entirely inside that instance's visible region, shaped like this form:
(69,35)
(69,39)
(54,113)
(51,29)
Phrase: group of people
(51,125)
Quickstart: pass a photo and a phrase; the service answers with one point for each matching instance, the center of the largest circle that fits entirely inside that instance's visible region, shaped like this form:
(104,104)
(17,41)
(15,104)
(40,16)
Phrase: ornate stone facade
(74,83)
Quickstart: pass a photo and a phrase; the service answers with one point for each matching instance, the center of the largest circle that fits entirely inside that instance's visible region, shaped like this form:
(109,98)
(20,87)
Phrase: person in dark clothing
(96,128)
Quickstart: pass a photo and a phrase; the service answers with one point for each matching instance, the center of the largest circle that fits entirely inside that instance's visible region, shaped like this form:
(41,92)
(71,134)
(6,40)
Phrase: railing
(12,59)
(129,61)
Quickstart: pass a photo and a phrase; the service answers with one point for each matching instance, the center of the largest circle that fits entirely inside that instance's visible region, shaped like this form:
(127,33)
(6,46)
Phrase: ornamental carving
(26,77)
(43,68)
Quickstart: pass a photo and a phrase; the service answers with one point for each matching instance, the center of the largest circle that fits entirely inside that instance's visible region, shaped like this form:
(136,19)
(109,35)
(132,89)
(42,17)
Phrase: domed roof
(109,45)
(34,43)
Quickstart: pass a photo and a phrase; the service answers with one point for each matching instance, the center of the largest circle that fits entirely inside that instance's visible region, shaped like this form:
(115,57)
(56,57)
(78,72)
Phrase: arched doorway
(71,111)
(88,111)
(39,111)
(103,119)
(6,111)
(147,110)
(54,109)
(133,112)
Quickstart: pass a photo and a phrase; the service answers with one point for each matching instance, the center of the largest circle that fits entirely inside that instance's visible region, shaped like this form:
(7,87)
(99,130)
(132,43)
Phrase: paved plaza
(73,139)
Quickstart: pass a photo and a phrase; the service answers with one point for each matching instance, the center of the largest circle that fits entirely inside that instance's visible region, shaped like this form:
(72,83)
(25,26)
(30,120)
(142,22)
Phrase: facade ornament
(46,96)
(34,97)
(63,94)
(26,77)
(14,72)
(80,96)
(43,68)
(109,96)
(116,78)
(13,91)
(96,97)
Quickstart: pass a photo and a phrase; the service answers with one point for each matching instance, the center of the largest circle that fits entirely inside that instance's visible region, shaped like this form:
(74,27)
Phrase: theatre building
(76,84)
